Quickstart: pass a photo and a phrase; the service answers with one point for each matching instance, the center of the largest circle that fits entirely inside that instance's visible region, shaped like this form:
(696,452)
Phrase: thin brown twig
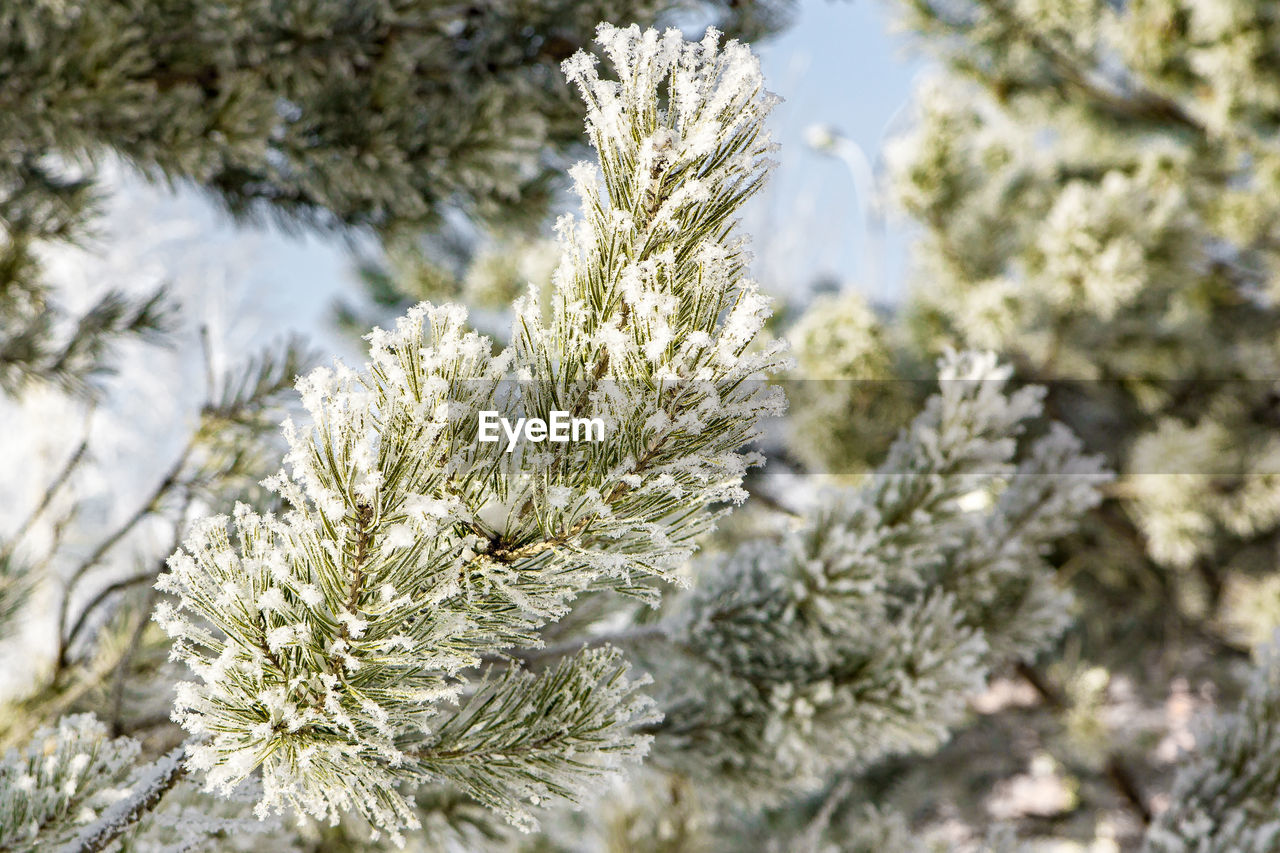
(103,594)
(122,669)
(1116,770)
(152,503)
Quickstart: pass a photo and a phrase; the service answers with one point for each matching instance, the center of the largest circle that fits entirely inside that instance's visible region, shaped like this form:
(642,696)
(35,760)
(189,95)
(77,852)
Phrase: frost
(337,642)
(64,775)
(1224,796)
(904,575)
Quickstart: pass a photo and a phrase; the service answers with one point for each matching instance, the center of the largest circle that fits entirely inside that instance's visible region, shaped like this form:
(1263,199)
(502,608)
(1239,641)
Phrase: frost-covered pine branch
(331,641)
(1096,185)
(863,633)
(75,789)
(1123,156)
(67,776)
(1226,795)
(150,785)
(516,733)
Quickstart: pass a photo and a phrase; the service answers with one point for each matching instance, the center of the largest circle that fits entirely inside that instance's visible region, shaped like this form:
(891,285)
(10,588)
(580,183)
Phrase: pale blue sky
(838,65)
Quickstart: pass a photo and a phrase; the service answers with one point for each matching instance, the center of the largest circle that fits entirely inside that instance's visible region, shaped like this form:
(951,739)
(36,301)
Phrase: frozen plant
(67,776)
(1224,795)
(335,644)
(862,633)
(1096,185)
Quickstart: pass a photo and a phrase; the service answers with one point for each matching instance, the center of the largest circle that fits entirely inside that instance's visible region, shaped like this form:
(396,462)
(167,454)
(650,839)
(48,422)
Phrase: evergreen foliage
(328,638)
(1224,795)
(338,114)
(15,588)
(66,776)
(850,396)
(1096,186)
(99,613)
(1097,191)
(862,633)
(409,629)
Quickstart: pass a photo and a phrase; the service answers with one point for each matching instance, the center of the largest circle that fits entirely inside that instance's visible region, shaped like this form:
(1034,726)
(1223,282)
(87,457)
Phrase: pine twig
(157,780)
(621,639)
(170,480)
(55,485)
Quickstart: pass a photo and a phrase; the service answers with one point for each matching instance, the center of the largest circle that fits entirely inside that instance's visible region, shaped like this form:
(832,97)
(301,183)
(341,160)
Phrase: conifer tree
(415,629)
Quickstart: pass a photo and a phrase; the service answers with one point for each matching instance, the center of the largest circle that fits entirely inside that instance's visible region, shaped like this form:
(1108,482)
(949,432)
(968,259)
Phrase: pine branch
(527,738)
(30,351)
(51,490)
(99,598)
(875,620)
(65,774)
(245,393)
(326,639)
(1225,796)
(146,792)
(16,584)
(240,402)
(168,483)
(1136,104)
